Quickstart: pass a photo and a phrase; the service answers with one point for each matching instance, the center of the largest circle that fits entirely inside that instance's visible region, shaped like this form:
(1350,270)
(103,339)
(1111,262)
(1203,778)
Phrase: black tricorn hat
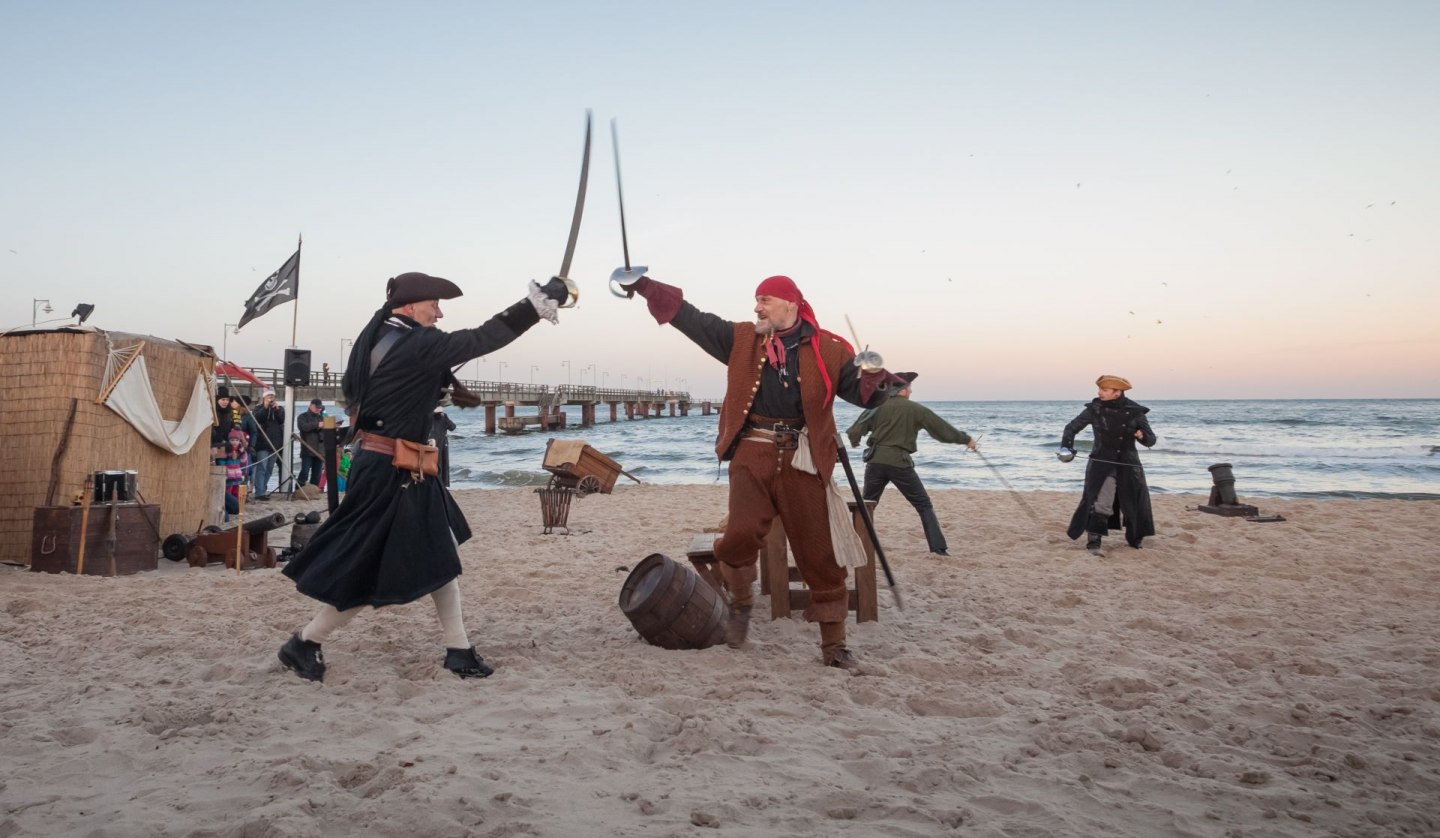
(414,287)
(908,376)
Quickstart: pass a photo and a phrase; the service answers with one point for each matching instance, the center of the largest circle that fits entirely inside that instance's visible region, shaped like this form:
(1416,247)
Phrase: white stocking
(326,621)
(447,607)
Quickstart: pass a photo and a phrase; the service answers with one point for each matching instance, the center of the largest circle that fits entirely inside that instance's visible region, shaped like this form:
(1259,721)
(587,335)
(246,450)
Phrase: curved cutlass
(564,274)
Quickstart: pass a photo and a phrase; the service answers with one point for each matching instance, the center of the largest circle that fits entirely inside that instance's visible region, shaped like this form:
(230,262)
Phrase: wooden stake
(110,538)
(239,527)
(84,522)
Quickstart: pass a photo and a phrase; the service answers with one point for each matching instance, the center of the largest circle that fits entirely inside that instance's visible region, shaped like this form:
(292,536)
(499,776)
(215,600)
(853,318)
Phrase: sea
(1341,448)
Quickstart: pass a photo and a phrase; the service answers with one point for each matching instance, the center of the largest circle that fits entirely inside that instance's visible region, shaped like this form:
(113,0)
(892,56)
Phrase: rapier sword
(627,273)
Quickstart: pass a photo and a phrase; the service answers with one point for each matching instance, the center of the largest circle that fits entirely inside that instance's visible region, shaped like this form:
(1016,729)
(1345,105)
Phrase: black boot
(466,664)
(304,657)
(1092,543)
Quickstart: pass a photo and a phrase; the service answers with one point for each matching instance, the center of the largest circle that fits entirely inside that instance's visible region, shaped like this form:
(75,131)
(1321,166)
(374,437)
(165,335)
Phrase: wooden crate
(55,539)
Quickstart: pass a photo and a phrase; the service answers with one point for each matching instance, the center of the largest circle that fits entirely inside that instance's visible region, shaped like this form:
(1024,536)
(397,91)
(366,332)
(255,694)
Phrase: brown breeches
(763,485)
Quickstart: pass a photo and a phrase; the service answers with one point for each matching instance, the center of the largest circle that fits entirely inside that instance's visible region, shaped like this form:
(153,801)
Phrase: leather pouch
(416,458)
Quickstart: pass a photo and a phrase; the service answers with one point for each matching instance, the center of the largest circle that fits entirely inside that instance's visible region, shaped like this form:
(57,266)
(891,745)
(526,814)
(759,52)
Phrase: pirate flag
(279,287)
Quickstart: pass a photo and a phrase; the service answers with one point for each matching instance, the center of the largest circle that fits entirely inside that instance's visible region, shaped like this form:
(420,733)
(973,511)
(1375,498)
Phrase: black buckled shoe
(304,657)
(1092,543)
(466,664)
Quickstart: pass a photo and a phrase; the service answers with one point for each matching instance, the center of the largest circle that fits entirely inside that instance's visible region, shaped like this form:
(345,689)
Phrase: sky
(1214,200)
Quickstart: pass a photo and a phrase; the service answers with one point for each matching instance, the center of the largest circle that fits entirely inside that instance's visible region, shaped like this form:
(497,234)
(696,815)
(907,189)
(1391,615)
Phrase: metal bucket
(671,606)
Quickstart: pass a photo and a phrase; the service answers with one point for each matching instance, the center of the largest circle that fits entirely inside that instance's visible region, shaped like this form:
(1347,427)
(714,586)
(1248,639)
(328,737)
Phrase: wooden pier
(501,399)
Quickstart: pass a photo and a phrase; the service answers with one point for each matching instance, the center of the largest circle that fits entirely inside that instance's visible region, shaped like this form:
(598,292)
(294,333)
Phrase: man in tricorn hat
(394,537)
(777,429)
(893,427)
(1115,487)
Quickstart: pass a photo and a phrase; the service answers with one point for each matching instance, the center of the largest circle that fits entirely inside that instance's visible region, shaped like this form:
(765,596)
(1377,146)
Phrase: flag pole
(287,468)
(295,315)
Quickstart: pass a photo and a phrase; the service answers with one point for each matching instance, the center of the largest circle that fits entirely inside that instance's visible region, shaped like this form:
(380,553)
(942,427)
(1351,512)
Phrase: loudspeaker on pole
(297,367)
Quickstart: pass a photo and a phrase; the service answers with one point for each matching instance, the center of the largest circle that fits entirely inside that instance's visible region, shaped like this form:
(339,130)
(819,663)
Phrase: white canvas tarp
(133,398)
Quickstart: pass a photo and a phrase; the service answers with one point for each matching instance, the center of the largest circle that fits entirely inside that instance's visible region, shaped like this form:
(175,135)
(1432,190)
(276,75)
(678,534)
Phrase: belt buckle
(786,437)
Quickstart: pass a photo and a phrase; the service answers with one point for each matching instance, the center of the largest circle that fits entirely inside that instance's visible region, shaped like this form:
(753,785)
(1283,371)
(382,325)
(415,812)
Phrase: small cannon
(220,544)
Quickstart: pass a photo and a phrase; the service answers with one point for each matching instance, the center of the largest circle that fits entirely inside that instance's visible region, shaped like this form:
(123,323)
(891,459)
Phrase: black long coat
(393,540)
(1114,424)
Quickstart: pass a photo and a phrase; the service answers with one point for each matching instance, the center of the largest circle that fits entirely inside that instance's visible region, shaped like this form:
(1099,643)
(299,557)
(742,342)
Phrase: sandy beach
(1230,679)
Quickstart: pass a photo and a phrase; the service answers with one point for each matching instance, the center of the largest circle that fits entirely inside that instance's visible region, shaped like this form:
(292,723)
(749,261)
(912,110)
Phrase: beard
(764,326)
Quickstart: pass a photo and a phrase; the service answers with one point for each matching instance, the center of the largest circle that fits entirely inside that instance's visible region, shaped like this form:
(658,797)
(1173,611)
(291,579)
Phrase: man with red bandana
(785,373)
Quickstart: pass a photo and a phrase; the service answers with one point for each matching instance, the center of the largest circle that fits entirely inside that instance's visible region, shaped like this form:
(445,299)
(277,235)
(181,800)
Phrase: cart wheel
(175,547)
(589,484)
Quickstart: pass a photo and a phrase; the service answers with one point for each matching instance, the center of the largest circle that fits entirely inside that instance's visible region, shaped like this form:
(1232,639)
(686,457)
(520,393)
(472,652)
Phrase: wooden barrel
(671,606)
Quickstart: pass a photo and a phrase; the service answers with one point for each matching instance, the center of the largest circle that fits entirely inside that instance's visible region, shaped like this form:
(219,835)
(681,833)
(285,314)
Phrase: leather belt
(791,424)
(367,441)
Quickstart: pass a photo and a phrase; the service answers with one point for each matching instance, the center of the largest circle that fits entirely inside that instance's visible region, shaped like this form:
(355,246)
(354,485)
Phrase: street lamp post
(533,368)
(502,371)
(566,365)
(35,308)
(225,340)
(343,354)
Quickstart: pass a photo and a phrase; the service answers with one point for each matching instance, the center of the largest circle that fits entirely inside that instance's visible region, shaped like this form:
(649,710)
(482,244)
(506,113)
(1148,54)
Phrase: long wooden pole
(84,523)
(239,528)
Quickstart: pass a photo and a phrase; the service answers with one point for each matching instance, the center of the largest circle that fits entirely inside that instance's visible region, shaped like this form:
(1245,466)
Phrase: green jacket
(893,427)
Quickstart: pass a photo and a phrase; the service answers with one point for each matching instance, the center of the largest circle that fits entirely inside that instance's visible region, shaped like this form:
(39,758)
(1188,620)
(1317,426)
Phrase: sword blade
(620,191)
(579,205)
(864,511)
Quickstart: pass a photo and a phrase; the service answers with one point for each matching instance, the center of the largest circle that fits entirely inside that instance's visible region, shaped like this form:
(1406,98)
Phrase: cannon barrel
(267,523)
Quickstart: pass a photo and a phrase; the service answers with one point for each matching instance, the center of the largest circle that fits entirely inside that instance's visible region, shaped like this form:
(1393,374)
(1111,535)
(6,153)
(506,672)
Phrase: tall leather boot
(832,648)
(740,582)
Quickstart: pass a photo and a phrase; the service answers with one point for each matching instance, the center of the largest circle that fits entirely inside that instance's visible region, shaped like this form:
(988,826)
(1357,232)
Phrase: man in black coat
(394,537)
(308,424)
(1115,494)
(268,442)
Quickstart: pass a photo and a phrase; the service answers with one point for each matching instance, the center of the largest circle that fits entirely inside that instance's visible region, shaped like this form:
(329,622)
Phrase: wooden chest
(55,539)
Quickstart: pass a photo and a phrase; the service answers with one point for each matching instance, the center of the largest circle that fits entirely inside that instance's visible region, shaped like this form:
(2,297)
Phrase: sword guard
(623,278)
(573,289)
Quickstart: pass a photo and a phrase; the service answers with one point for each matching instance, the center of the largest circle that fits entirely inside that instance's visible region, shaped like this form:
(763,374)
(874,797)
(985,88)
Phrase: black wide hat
(908,376)
(413,287)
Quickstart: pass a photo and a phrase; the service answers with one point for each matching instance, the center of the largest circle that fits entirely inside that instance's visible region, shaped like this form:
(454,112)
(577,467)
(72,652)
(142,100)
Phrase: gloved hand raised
(868,360)
(559,289)
(624,282)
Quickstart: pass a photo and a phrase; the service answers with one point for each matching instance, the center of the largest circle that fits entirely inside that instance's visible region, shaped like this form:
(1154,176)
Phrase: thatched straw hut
(100,375)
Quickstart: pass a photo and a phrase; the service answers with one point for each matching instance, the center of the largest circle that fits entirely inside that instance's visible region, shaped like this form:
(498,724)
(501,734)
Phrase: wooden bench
(777,574)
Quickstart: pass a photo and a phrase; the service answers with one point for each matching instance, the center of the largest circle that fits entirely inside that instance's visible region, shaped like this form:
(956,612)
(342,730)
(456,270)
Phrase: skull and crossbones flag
(279,287)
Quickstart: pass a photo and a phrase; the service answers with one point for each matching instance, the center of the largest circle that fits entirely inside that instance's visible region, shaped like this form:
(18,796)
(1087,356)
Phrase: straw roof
(42,373)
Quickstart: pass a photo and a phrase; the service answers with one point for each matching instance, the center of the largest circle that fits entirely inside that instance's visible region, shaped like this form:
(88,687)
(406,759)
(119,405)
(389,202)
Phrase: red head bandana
(784,288)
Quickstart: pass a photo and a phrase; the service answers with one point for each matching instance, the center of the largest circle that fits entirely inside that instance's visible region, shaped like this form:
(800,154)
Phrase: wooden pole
(239,527)
(84,522)
(110,538)
(105,394)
